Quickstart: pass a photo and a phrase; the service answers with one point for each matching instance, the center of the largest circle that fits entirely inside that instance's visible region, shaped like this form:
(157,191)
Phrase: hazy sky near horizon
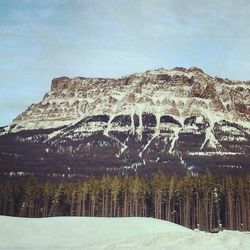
(43,39)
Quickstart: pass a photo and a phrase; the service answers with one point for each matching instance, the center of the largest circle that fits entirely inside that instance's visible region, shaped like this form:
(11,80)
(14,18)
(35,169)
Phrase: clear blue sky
(42,39)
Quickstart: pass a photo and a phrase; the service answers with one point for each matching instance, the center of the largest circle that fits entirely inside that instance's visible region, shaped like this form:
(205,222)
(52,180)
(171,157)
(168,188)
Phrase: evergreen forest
(205,202)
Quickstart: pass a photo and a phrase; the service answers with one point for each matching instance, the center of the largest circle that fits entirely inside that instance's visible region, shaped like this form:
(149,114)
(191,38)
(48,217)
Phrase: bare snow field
(82,233)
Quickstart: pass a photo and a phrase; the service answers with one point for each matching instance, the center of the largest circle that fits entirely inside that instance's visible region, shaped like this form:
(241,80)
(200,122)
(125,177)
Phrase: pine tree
(115,187)
(82,193)
(159,186)
(31,194)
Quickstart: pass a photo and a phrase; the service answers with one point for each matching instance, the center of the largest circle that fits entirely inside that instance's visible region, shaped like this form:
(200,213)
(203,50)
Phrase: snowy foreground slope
(111,233)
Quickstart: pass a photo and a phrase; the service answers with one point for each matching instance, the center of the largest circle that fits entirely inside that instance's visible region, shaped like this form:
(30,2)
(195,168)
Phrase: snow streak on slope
(174,139)
(111,233)
(146,146)
(209,137)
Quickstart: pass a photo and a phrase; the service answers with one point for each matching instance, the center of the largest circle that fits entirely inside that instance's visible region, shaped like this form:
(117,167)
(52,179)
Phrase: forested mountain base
(192,201)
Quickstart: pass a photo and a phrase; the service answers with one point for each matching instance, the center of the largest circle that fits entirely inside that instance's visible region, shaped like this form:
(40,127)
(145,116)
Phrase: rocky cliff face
(176,120)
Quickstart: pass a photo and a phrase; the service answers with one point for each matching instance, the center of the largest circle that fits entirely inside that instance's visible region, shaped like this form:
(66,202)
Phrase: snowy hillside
(111,233)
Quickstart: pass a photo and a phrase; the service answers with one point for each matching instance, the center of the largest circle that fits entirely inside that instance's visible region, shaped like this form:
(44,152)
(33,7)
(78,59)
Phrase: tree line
(203,202)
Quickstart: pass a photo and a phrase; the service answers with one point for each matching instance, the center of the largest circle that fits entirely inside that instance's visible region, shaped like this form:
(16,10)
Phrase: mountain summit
(179,120)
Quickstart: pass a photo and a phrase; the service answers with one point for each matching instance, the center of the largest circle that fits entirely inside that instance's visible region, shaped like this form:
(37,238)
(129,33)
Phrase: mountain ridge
(178,74)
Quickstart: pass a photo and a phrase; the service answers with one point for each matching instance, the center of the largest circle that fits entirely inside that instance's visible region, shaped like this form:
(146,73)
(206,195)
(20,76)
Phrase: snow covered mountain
(176,120)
